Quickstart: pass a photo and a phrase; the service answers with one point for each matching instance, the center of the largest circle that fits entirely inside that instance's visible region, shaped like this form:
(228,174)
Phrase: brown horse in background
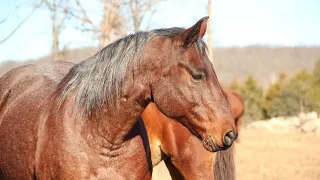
(237,107)
(185,167)
(182,152)
(65,121)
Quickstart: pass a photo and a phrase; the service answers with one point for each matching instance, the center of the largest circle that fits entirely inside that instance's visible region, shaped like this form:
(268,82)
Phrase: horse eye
(198,77)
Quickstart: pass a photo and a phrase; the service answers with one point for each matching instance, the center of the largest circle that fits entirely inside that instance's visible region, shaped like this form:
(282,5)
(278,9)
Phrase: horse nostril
(229,137)
(231,134)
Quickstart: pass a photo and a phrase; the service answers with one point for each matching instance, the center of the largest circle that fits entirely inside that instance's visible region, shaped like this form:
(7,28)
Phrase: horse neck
(155,127)
(193,161)
(167,136)
(109,125)
(115,124)
(236,103)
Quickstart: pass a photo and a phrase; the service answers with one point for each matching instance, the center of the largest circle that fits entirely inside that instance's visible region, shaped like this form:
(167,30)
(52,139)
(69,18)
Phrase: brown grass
(274,156)
(265,155)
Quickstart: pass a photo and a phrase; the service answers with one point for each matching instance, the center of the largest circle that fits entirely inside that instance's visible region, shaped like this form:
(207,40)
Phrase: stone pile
(303,123)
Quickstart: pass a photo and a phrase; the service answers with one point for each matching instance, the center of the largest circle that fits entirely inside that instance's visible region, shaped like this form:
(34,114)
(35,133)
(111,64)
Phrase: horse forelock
(99,80)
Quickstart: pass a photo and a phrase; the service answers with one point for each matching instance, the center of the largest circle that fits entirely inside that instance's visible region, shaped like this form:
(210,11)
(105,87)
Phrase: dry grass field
(272,156)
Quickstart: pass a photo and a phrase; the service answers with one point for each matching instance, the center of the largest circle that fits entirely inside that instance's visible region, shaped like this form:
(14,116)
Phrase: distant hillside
(264,63)
(75,55)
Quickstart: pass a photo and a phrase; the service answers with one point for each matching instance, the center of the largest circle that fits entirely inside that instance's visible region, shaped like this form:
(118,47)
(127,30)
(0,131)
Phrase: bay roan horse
(182,151)
(59,121)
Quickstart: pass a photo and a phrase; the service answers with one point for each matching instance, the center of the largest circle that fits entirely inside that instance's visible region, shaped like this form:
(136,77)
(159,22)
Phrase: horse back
(23,92)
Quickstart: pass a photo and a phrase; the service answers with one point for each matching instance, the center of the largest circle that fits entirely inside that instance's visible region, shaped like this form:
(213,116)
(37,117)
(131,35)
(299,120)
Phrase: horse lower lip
(210,146)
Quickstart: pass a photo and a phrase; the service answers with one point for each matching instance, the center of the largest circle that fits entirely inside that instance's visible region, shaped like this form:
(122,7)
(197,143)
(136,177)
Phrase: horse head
(184,85)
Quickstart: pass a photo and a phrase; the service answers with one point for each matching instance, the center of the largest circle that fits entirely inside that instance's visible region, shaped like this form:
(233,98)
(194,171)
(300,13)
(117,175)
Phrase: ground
(272,156)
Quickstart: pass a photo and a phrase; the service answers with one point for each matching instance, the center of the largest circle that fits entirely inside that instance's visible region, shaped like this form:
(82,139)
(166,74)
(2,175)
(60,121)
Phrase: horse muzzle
(210,145)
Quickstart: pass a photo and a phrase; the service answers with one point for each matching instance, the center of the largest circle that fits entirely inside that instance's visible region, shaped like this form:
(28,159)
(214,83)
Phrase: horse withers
(65,121)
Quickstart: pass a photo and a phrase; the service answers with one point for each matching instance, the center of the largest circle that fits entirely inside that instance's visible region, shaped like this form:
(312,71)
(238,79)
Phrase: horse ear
(190,35)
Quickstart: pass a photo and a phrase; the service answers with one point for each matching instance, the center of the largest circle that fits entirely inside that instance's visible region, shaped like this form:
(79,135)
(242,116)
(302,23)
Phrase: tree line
(285,97)
(115,19)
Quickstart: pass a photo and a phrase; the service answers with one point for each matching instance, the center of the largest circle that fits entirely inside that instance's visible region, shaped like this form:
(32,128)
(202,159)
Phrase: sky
(234,23)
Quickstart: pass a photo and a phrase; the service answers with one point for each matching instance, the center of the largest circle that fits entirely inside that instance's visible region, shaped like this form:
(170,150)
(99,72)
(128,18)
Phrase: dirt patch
(275,156)
(266,155)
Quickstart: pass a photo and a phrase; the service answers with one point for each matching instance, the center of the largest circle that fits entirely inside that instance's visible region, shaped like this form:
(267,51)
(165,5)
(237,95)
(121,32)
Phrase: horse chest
(128,162)
(156,153)
(105,173)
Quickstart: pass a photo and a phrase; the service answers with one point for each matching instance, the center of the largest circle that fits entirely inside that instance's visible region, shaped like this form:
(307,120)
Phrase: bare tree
(4,19)
(138,10)
(117,15)
(21,23)
(112,25)
(59,12)
(210,48)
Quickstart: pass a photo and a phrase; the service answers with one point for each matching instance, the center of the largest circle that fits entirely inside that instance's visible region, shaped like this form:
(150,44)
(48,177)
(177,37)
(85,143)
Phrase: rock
(310,126)
(312,116)
(317,123)
(306,123)
(302,116)
(294,120)
(261,125)
(282,125)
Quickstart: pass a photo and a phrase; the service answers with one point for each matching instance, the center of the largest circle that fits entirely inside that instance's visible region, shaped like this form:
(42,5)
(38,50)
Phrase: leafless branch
(138,9)
(64,15)
(85,19)
(84,29)
(48,5)
(4,19)
(153,11)
(21,23)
